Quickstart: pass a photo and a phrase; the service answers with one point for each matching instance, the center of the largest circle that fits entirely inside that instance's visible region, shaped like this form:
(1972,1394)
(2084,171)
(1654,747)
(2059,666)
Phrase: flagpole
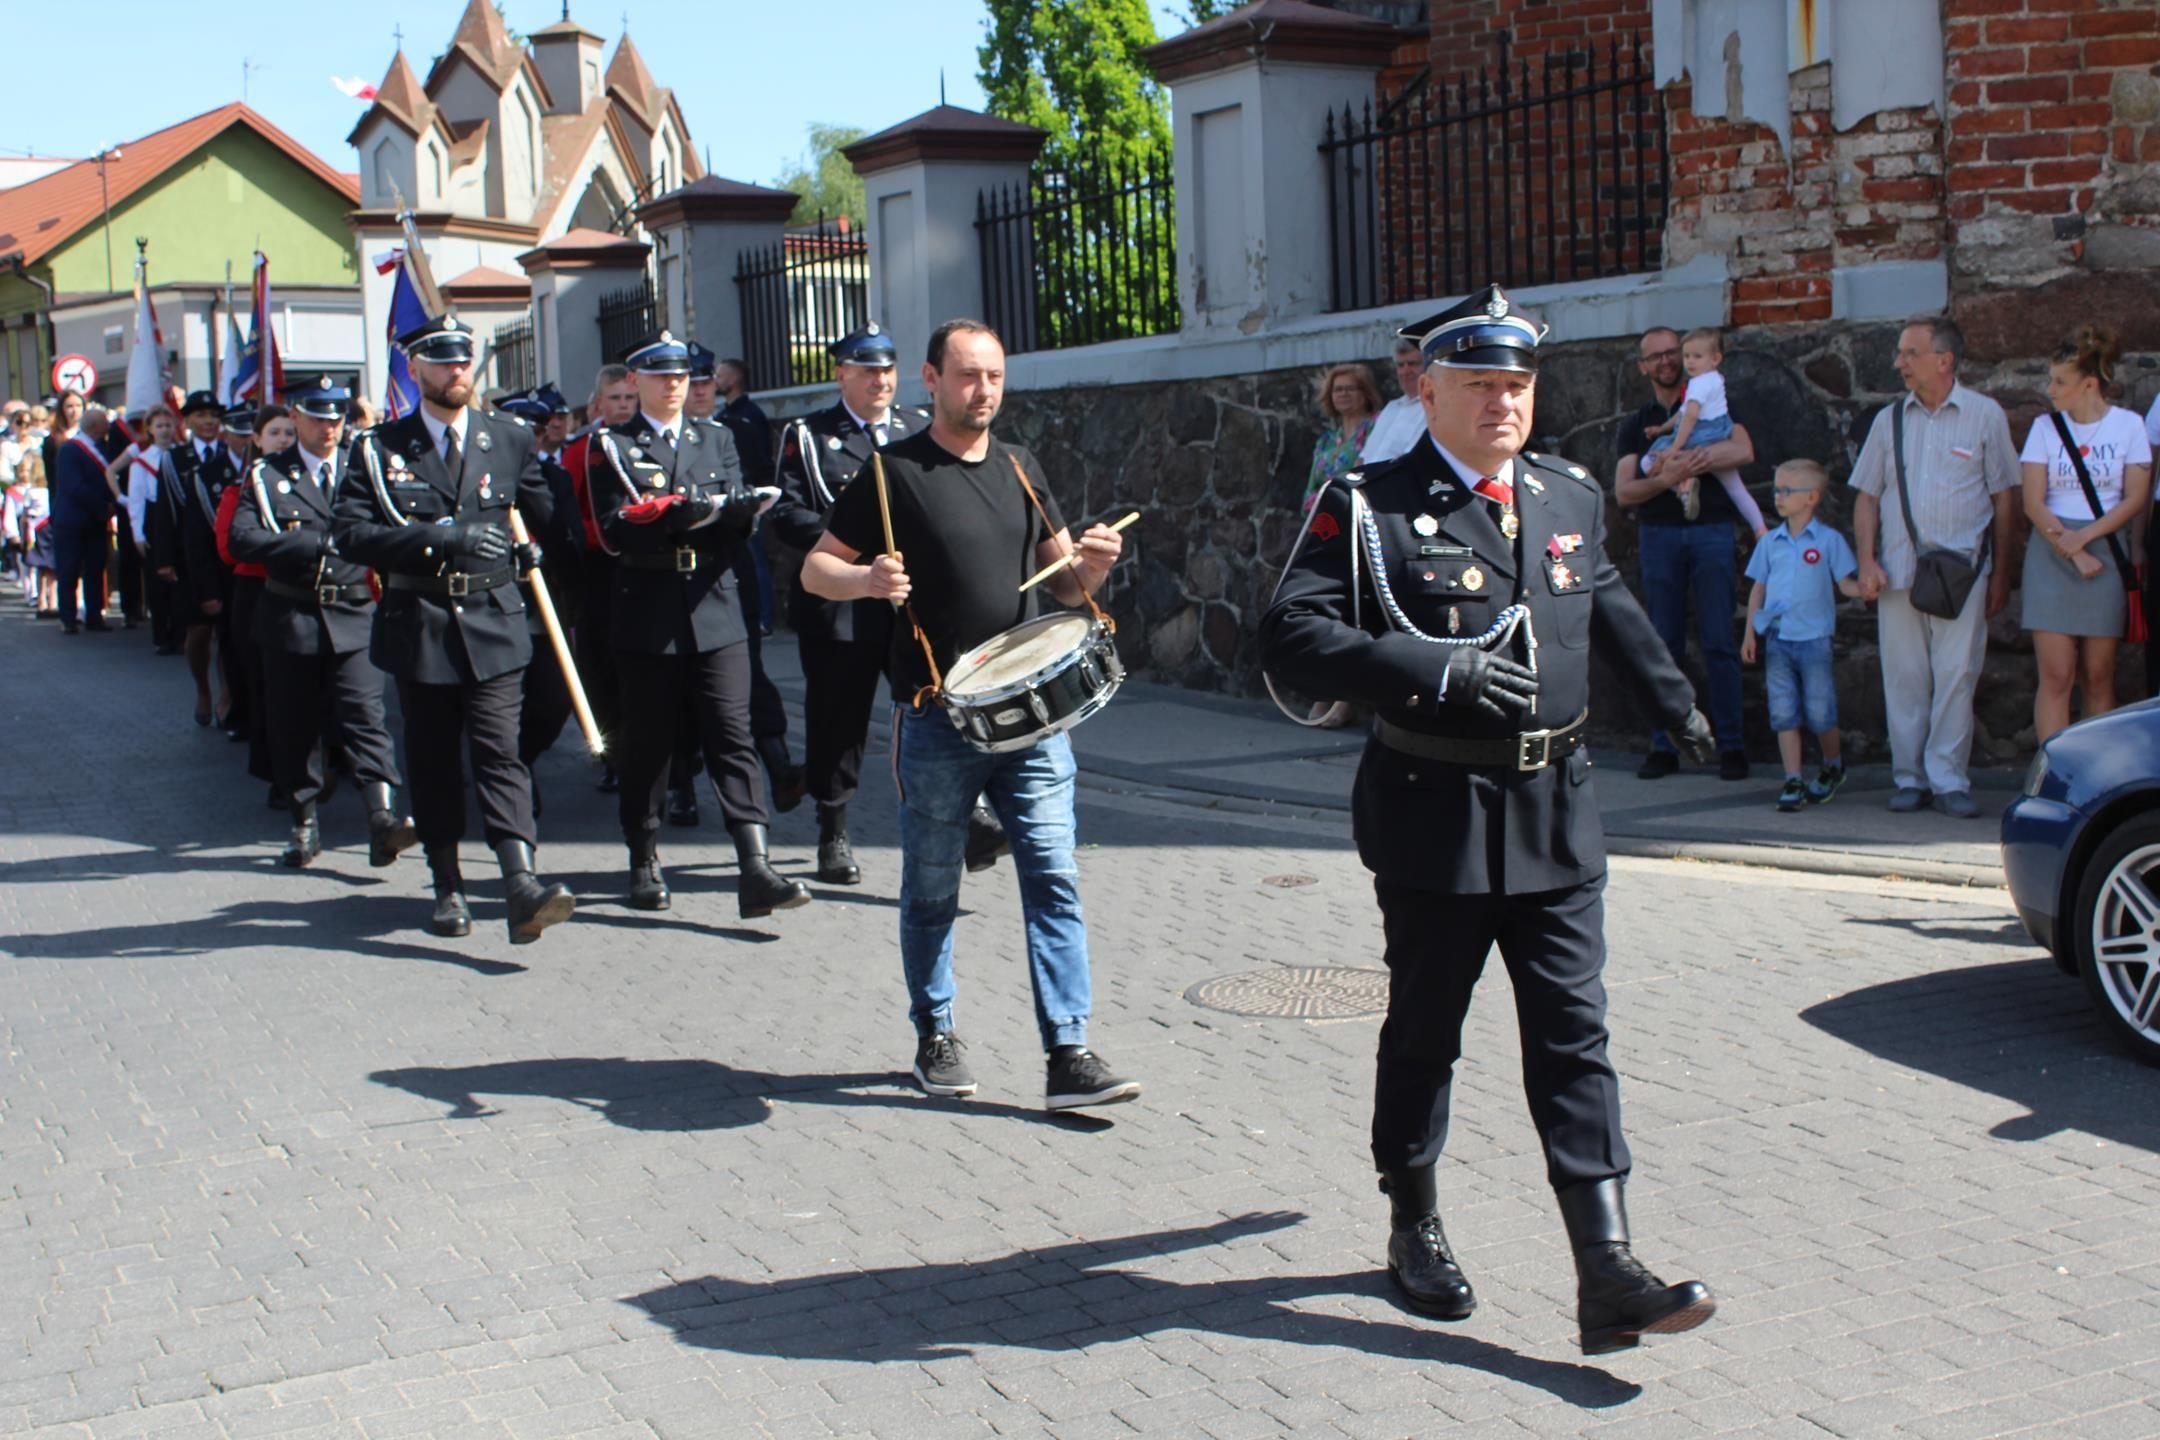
(416,255)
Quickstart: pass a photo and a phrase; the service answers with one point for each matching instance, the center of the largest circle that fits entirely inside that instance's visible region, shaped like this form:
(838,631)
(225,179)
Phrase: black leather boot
(648,891)
(609,781)
(789,785)
(533,906)
(1618,1300)
(452,917)
(761,890)
(306,841)
(835,856)
(682,805)
(389,834)
(986,838)
(1418,1257)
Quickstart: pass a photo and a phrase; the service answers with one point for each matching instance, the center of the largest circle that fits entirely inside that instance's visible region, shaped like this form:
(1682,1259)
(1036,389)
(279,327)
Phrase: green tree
(1073,68)
(824,179)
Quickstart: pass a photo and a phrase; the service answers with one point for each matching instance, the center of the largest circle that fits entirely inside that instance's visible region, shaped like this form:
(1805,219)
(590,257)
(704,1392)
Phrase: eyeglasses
(1660,357)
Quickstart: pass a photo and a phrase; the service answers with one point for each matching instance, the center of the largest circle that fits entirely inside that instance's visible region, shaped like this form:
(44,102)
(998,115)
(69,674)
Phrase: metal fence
(1525,174)
(1080,255)
(628,318)
(516,358)
(798,297)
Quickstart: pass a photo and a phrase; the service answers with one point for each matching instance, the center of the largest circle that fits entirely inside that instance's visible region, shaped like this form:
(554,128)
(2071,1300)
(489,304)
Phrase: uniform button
(1412,700)
(427,550)
(457,607)
(1411,776)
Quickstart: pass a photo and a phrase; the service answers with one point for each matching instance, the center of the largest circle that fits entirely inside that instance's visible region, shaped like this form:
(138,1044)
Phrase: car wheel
(2117,933)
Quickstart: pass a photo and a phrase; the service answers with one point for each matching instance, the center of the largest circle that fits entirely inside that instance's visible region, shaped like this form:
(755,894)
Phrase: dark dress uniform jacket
(1448,827)
(820,456)
(668,611)
(279,526)
(387,517)
(188,544)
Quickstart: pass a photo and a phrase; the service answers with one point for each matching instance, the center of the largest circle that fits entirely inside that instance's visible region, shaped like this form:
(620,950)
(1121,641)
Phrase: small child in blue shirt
(1799,570)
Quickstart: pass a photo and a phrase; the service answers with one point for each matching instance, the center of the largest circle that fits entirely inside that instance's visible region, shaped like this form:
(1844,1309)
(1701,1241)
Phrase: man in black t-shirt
(1686,561)
(966,533)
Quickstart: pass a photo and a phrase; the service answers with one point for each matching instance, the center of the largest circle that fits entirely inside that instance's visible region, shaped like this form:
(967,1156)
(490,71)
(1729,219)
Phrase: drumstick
(884,508)
(1069,557)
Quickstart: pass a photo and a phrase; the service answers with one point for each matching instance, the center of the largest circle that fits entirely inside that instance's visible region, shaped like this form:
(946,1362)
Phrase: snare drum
(1032,682)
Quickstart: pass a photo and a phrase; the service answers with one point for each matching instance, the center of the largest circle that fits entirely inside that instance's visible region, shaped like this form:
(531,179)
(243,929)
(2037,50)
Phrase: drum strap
(1096,610)
(935,690)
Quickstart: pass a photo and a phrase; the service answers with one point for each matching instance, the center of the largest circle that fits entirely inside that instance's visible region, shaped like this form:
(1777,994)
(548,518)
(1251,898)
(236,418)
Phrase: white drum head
(1006,660)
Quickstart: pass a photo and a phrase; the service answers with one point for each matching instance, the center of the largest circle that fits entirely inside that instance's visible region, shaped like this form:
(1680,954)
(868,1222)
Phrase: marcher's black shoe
(1078,1077)
(452,917)
(986,839)
(682,805)
(389,834)
(533,906)
(1732,765)
(940,1068)
(1418,1258)
(610,782)
(277,799)
(648,891)
(789,784)
(835,856)
(1618,1300)
(760,890)
(97,627)
(1657,765)
(306,841)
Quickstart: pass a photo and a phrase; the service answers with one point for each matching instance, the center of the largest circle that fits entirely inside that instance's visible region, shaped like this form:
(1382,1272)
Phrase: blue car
(2081,851)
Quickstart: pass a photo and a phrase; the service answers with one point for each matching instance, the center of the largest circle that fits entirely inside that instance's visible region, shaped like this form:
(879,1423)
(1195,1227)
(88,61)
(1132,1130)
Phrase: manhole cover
(1289,882)
(1301,993)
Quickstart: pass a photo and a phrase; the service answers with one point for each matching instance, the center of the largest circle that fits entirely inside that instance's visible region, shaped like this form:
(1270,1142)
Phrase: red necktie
(1495,489)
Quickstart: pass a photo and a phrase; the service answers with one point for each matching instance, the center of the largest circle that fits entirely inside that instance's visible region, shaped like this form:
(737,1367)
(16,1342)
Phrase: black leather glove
(1490,684)
(529,556)
(1694,739)
(740,512)
(480,540)
(325,544)
(684,518)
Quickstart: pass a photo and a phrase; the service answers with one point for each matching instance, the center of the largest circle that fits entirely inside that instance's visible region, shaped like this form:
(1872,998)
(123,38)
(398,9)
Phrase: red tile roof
(38,217)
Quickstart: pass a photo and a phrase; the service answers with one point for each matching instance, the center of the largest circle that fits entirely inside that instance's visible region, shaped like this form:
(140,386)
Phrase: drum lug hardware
(1041,711)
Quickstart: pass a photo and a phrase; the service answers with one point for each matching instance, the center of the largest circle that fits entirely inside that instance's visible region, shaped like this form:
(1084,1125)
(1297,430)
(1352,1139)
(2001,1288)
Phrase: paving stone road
(273,1161)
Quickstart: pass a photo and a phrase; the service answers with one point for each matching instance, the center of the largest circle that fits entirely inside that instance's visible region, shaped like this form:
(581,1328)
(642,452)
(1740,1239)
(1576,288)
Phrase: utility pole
(105,195)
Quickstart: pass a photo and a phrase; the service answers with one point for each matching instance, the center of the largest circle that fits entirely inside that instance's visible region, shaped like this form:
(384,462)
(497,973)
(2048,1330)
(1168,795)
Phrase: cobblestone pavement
(273,1161)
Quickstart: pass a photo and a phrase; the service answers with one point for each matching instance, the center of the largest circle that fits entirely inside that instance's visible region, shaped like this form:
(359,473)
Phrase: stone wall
(1216,468)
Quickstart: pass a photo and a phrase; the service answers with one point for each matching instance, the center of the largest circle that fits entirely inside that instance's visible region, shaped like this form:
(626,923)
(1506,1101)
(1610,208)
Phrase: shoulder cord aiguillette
(1500,632)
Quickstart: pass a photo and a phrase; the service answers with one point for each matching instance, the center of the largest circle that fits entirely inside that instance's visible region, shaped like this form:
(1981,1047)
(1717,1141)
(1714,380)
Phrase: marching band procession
(509,575)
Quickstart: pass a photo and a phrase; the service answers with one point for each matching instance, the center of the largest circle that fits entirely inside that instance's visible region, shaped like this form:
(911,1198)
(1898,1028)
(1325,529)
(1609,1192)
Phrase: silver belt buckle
(685,559)
(458,585)
(328,594)
(1533,742)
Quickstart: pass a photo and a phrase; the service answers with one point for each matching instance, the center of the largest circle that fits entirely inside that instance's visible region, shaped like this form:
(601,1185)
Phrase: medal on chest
(1509,525)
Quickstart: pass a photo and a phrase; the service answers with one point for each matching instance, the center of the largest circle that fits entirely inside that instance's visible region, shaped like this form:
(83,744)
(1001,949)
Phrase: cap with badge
(551,397)
(704,364)
(1484,332)
(525,406)
(444,340)
(319,399)
(868,346)
(661,355)
(240,419)
(199,400)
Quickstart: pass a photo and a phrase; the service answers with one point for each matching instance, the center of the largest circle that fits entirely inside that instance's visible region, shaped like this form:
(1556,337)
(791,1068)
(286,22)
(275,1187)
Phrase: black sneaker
(1825,784)
(1078,1077)
(1793,796)
(1732,765)
(1657,765)
(940,1067)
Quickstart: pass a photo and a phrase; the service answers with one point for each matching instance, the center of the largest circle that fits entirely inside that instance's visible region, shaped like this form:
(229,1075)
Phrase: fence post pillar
(1249,94)
(920,183)
(701,230)
(569,275)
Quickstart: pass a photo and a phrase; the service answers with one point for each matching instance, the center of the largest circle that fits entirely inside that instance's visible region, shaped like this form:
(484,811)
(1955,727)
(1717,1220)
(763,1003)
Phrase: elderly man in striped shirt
(1962,470)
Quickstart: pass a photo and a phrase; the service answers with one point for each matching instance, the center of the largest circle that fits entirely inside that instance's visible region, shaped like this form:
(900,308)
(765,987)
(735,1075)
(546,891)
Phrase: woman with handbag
(2088,476)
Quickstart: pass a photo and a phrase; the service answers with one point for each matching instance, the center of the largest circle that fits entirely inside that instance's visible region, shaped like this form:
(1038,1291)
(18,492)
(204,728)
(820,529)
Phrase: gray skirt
(2060,601)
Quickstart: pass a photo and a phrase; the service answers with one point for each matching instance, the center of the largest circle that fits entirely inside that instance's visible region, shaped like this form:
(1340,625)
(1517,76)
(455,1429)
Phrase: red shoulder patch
(1324,527)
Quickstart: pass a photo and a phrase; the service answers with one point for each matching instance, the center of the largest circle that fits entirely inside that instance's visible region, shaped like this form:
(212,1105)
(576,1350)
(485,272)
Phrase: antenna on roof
(941,85)
(566,11)
(247,68)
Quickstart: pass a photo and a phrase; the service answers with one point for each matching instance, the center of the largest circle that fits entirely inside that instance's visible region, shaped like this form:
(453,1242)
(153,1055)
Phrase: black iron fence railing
(1525,174)
(798,297)
(1080,255)
(516,360)
(628,318)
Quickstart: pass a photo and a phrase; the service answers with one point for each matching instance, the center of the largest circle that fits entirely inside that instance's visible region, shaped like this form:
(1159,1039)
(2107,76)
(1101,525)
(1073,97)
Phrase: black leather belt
(1530,751)
(683,559)
(357,594)
(457,584)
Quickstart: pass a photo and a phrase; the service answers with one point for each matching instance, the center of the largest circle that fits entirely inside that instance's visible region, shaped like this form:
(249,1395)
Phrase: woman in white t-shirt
(2073,589)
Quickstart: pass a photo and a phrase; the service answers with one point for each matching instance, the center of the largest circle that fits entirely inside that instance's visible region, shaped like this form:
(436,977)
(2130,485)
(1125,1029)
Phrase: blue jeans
(1683,562)
(1797,675)
(940,776)
(1706,432)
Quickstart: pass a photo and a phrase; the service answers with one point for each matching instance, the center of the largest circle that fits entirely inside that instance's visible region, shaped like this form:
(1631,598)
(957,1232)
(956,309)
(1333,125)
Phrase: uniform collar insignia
(1536,486)
(415,447)
(689,434)
(483,442)
(644,437)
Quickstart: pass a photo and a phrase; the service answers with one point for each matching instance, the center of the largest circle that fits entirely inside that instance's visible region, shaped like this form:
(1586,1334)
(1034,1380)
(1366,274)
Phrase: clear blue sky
(750,75)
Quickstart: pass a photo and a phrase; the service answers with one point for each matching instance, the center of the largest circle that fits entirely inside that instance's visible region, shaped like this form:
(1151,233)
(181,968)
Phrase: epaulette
(1351,478)
(1559,466)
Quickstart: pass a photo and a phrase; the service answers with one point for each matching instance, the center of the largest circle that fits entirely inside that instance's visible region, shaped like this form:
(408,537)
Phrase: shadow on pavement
(1069,1296)
(687,1094)
(1974,930)
(340,926)
(2020,1029)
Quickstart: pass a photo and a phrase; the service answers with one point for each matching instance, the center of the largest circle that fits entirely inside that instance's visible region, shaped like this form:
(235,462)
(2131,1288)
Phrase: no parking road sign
(74,374)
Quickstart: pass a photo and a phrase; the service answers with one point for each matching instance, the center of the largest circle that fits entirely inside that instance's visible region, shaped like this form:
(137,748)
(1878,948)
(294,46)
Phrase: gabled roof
(629,81)
(482,38)
(401,97)
(468,141)
(38,217)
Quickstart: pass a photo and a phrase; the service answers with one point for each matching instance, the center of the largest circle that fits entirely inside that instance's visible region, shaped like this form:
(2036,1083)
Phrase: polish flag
(355,88)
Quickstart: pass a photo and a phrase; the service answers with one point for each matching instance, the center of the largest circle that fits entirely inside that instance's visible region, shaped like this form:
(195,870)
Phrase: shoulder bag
(2133,581)
(1942,579)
